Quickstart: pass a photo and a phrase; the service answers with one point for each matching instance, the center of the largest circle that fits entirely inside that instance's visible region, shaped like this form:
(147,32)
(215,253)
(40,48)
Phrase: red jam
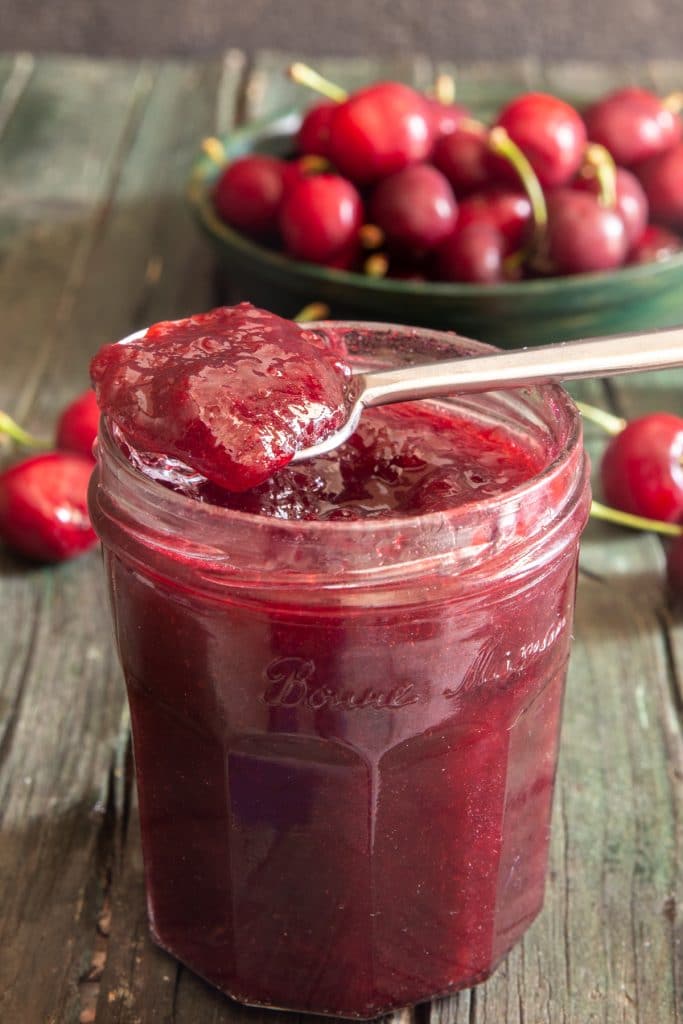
(346,707)
(403,460)
(234,393)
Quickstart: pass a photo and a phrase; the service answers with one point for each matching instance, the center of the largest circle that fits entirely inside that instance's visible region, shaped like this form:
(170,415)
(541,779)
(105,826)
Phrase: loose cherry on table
(43,506)
(662,178)
(78,423)
(549,132)
(634,124)
(320,218)
(641,468)
(415,207)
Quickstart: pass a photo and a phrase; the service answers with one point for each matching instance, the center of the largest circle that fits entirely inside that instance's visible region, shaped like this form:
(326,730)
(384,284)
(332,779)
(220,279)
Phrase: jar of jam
(346,720)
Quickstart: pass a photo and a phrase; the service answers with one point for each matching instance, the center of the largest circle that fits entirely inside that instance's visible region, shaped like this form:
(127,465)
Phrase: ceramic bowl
(520,313)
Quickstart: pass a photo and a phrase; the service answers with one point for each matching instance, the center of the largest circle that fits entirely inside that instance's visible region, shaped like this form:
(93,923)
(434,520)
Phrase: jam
(346,686)
(234,393)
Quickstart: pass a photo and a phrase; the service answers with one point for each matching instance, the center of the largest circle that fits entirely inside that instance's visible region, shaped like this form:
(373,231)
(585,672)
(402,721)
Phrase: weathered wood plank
(15,72)
(57,158)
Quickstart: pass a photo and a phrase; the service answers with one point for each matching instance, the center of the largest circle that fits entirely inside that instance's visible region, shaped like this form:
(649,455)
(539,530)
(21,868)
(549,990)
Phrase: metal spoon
(569,360)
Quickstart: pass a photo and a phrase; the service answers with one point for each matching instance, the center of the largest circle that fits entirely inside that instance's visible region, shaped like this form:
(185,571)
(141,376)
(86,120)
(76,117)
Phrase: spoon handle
(571,360)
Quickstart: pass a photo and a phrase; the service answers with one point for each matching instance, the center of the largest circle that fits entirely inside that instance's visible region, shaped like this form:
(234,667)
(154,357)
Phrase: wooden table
(94,242)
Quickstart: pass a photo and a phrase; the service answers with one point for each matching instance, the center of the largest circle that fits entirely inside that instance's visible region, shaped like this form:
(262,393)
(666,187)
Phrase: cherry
(320,218)
(662,178)
(249,192)
(641,469)
(633,124)
(464,157)
(43,506)
(474,253)
(506,209)
(77,426)
(631,201)
(379,130)
(655,243)
(415,207)
(313,136)
(582,235)
(549,132)
(447,117)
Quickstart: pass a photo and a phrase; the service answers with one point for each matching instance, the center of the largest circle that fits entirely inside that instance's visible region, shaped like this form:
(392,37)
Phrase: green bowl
(518,313)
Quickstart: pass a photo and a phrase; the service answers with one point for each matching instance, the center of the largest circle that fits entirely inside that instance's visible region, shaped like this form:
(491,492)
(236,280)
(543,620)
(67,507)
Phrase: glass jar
(346,732)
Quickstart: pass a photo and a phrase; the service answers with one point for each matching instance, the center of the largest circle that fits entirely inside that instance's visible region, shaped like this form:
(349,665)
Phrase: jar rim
(174,511)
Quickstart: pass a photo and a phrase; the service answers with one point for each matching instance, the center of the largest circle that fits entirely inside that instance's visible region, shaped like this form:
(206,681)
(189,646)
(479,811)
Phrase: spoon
(546,364)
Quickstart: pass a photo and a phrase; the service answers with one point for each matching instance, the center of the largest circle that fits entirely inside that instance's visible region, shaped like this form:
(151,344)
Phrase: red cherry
(633,124)
(320,218)
(313,137)
(415,208)
(549,132)
(249,192)
(506,209)
(641,468)
(78,423)
(632,204)
(581,234)
(447,117)
(464,158)
(380,130)
(43,506)
(662,178)
(474,253)
(656,243)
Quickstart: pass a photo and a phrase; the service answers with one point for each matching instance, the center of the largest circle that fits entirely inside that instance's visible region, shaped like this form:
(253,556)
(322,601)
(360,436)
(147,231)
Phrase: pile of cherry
(388,181)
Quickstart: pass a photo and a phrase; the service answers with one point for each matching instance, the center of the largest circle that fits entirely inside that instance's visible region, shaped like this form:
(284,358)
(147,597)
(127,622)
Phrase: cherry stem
(614,515)
(599,163)
(444,89)
(313,311)
(371,236)
(214,149)
(501,144)
(11,429)
(303,74)
(673,102)
(612,424)
(376,265)
(312,164)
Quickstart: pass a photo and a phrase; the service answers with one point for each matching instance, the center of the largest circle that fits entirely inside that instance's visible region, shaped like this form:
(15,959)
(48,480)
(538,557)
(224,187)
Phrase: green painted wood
(58,163)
